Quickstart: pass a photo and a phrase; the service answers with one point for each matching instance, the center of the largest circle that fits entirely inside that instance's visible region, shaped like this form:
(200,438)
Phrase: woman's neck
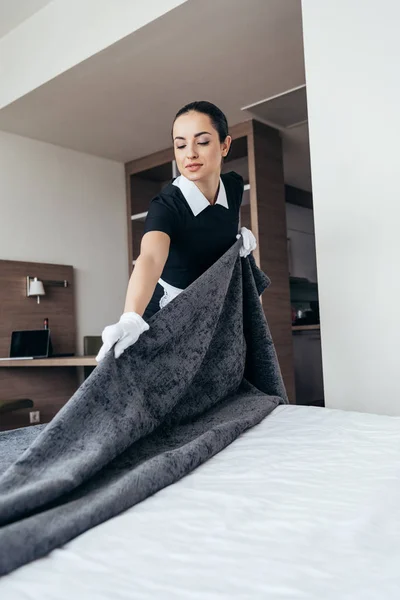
(209,187)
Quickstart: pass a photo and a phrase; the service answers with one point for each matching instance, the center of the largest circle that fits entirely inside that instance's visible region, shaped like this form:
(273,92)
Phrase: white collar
(195,198)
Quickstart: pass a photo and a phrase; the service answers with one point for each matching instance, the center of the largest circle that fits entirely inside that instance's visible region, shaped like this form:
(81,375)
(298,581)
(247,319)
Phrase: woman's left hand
(249,242)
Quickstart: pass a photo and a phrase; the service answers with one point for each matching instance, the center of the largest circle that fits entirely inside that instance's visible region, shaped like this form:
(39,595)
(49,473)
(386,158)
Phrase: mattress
(305,505)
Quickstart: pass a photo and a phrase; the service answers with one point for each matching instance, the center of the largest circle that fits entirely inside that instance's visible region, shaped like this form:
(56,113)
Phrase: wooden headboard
(17,311)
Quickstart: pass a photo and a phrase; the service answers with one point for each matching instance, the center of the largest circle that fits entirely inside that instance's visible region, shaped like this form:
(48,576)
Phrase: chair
(11,405)
(17,413)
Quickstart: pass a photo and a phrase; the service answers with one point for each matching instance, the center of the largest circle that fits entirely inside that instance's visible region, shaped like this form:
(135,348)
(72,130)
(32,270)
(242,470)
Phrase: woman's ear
(225,146)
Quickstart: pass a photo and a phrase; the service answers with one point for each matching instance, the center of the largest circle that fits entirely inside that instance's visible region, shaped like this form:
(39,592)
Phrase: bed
(304,505)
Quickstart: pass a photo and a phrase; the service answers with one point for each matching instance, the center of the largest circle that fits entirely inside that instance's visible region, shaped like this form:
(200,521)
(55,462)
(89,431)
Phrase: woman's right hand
(249,242)
(123,334)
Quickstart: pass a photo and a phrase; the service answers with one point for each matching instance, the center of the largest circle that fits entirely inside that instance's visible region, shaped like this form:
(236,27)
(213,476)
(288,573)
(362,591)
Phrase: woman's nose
(191,151)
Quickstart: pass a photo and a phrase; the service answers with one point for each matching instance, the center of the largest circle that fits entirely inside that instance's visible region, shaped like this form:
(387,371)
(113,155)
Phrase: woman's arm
(154,251)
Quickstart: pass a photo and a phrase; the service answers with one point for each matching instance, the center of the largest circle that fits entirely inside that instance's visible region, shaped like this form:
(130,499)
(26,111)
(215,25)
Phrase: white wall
(63,34)
(352,51)
(65,207)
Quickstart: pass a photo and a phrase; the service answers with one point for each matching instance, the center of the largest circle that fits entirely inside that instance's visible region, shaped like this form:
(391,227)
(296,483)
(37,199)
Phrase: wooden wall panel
(245,216)
(137,234)
(19,312)
(148,162)
(142,192)
(268,223)
(48,388)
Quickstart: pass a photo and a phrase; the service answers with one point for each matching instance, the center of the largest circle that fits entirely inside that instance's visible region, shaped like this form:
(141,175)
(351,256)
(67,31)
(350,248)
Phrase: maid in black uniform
(192,222)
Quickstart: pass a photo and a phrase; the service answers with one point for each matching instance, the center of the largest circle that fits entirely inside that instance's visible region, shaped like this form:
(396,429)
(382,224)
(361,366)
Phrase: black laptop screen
(29,343)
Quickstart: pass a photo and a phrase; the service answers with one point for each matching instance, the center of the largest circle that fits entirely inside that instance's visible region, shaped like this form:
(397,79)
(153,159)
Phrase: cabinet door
(300,231)
(302,255)
(308,368)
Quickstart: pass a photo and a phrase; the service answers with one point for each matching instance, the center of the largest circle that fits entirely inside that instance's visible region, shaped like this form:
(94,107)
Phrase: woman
(189,225)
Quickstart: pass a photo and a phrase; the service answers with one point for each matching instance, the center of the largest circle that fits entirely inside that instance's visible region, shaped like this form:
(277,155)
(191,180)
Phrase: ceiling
(14,12)
(120,103)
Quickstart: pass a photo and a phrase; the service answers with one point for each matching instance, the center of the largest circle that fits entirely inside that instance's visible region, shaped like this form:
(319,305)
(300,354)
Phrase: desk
(62,361)
(49,382)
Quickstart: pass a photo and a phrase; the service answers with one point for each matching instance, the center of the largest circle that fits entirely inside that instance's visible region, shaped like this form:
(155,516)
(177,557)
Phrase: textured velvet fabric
(204,373)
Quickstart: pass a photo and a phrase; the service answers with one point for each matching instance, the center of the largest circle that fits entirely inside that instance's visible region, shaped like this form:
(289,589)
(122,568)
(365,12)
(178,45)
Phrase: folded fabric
(204,372)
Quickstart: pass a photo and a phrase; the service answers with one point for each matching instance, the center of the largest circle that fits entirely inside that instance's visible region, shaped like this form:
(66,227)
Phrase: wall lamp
(35,287)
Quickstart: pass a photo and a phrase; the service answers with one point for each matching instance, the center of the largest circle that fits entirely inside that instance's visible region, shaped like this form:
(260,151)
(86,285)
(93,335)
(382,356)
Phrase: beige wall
(62,206)
(352,54)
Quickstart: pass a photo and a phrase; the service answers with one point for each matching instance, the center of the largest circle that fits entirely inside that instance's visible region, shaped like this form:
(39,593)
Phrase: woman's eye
(203,143)
(179,147)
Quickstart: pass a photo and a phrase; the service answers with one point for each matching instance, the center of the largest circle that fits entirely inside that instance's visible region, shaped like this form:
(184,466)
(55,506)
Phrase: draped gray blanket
(204,373)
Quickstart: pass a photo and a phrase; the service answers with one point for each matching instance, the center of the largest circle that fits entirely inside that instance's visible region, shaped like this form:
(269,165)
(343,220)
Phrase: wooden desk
(62,361)
(49,388)
(306,327)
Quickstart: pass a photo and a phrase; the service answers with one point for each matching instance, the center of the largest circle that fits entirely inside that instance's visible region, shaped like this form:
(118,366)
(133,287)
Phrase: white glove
(123,334)
(249,242)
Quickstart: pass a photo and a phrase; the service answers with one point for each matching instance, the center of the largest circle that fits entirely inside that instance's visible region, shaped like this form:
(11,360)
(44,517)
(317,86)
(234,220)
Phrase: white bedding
(304,506)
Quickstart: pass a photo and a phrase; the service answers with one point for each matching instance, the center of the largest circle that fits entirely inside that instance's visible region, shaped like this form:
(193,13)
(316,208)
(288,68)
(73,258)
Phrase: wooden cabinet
(301,242)
(308,368)
(143,186)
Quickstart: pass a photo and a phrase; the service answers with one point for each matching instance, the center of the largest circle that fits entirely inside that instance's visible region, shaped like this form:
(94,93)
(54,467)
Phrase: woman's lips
(194,167)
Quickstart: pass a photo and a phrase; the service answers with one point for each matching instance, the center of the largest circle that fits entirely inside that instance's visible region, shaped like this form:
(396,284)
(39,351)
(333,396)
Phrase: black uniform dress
(200,233)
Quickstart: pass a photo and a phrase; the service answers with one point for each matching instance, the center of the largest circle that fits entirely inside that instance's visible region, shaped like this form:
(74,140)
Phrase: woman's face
(198,151)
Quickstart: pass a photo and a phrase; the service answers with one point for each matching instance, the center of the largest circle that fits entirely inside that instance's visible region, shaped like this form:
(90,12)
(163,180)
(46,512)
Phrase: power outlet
(34,416)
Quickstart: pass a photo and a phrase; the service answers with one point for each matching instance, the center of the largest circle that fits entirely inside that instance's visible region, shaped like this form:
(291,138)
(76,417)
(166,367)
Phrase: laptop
(29,344)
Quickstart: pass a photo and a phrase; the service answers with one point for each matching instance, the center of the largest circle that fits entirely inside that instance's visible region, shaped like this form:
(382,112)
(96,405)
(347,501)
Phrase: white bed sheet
(305,505)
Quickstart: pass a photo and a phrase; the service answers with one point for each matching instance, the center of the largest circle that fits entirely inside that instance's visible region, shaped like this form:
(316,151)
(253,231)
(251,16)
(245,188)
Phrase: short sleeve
(236,186)
(238,180)
(160,217)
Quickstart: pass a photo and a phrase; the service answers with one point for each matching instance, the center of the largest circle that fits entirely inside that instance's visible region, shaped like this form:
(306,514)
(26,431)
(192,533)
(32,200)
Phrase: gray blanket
(204,373)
